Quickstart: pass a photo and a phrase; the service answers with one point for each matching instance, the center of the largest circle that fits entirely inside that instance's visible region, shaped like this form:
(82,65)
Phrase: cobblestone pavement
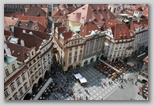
(92,90)
(129,91)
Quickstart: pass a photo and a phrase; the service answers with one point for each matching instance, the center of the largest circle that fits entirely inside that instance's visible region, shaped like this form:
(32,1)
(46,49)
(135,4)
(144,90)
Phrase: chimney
(22,42)
(30,20)
(23,31)
(66,6)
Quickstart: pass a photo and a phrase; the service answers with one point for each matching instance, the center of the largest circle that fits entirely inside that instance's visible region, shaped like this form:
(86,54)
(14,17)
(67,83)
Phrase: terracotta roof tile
(67,35)
(7,34)
(91,12)
(61,11)
(35,11)
(8,21)
(121,31)
(136,24)
(30,40)
(36,5)
(18,51)
(31,25)
(87,28)
(57,25)
(61,29)
(110,22)
(42,35)
(13,14)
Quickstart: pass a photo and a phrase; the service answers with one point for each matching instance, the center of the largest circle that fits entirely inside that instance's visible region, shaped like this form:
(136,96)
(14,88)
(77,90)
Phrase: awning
(78,76)
(82,80)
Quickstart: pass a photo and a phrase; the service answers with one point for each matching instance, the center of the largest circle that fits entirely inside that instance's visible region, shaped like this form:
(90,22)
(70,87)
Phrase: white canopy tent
(83,80)
(78,76)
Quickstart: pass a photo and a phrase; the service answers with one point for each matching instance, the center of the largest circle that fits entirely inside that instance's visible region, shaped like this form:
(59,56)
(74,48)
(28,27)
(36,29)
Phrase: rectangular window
(23,77)
(30,64)
(20,91)
(70,54)
(6,93)
(13,67)
(34,61)
(18,81)
(75,52)
(70,60)
(25,85)
(12,87)
(15,96)
(7,72)
(75,58)
(80,51)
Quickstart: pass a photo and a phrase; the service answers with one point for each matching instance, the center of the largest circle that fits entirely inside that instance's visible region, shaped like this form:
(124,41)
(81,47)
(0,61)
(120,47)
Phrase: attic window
(82,17)
(95,20)
(73,13)
(83,8)
(60,14)
(94,9)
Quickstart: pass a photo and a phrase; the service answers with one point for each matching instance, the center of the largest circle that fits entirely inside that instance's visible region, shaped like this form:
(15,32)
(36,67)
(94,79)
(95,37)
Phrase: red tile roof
(13,14)
(10,21)
(36,5)
(87,28)
(61,11)
(136,24)
(7,34)
(42,20)
(30,40)
(110,22)
(67,35)
(35,11)
(61,29)
(57,25)
(96,12)
(42,35)
(18,51)
(120,31)
(31,25)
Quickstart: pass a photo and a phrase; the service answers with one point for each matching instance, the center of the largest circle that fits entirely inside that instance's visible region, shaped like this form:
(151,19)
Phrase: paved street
(93,89)
(128,92)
